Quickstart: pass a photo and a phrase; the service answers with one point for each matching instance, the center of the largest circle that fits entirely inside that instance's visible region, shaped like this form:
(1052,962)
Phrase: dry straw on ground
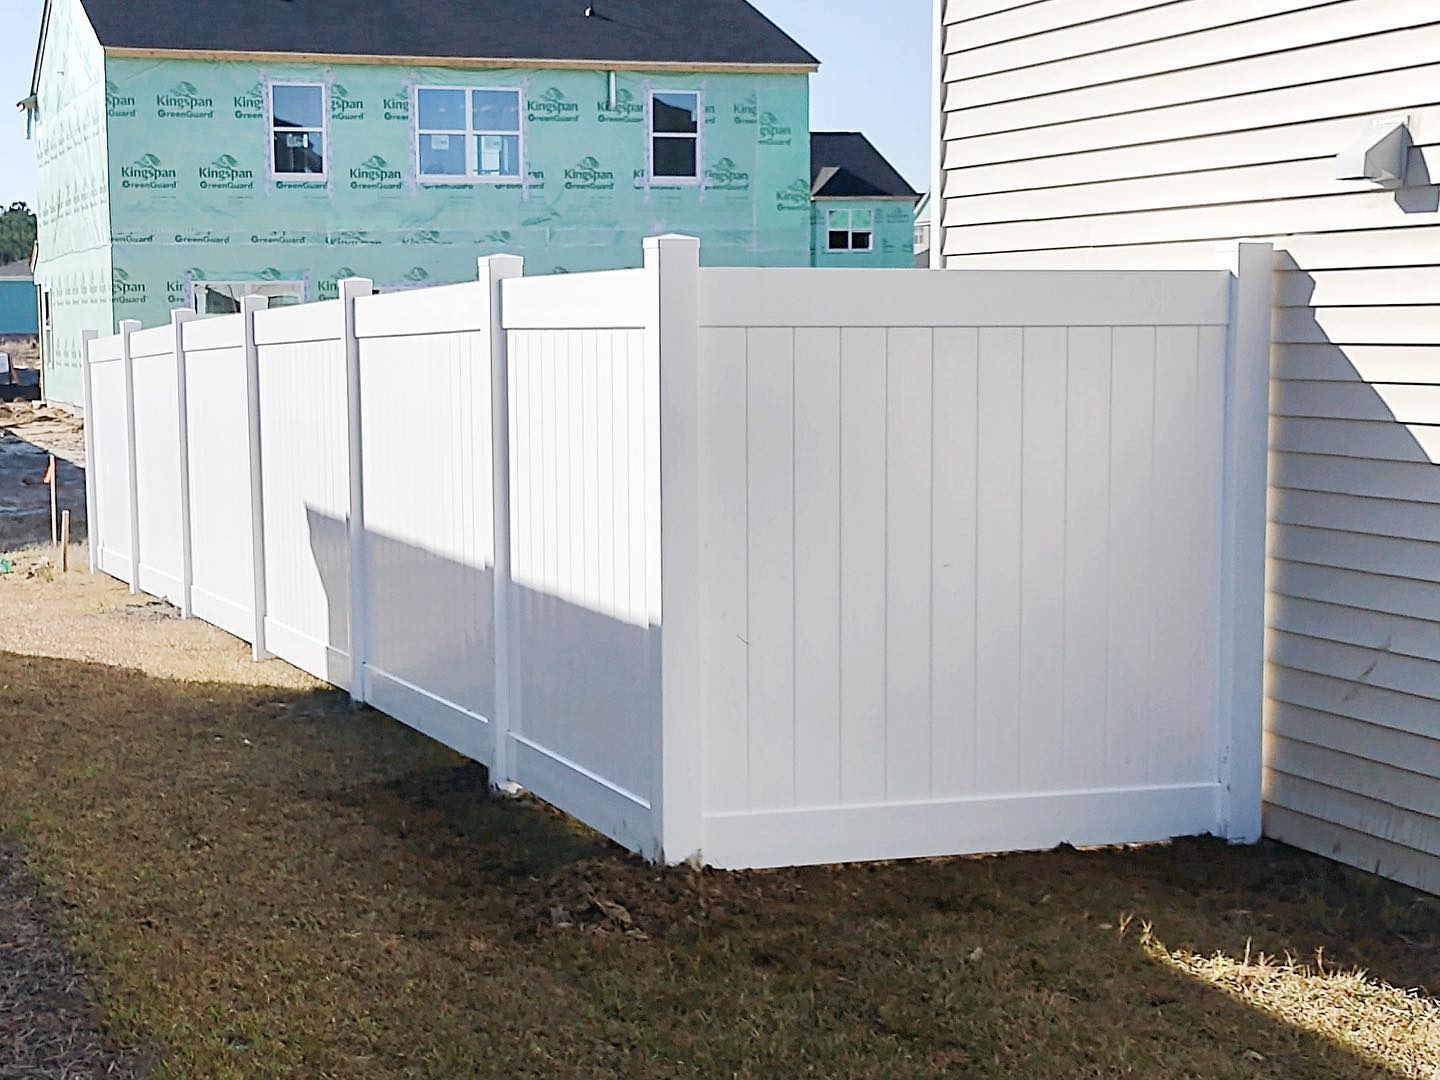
(264,882)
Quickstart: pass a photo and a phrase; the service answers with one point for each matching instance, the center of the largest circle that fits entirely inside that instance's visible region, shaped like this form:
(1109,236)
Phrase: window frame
(849,230)
(651,135)
(471,134)
(244,288)
(275,174)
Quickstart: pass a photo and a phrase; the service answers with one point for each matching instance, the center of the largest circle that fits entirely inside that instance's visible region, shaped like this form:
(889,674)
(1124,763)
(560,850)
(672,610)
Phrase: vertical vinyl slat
(998,584)
(1087,566)
(1180,735)
(770,375)
(862,564)
(1131,420)
(817,566)
(724,556)
(907,562)
(1042,570)
(954,518)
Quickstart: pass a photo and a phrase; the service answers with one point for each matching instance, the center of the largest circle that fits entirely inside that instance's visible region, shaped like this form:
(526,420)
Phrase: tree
(17,233)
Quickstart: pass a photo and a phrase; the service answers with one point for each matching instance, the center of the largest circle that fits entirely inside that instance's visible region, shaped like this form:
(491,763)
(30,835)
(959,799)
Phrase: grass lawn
(262,882)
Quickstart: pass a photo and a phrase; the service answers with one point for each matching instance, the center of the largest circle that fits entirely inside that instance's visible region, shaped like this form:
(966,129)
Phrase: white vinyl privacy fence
(749,567)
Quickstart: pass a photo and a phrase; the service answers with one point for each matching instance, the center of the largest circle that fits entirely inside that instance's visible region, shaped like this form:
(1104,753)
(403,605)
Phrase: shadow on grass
(268,882)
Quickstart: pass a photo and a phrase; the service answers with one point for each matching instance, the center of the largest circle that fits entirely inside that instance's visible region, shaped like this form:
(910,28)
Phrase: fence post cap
(671,240)
(494,266)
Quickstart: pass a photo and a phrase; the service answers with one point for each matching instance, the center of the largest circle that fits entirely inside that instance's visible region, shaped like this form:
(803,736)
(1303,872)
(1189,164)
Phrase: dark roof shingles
(846,164)
(621,31)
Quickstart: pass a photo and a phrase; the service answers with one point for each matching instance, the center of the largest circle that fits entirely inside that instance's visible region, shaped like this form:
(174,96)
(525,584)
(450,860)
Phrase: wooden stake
(52,476)
(65,541)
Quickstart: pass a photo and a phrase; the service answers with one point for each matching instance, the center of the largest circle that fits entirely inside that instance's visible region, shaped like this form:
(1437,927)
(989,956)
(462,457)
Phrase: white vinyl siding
(1129,134)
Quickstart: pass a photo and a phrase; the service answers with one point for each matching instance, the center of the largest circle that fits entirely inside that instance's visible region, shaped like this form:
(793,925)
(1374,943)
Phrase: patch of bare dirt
(29,434)
(48,1023)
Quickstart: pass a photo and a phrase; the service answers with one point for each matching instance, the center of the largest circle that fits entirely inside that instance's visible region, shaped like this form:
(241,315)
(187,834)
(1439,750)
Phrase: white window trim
(197,288)
(270,129)
(472,164)
(849,229)
(651,134)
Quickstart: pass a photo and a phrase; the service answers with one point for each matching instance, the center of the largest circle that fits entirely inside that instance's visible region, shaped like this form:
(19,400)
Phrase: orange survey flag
(49,477)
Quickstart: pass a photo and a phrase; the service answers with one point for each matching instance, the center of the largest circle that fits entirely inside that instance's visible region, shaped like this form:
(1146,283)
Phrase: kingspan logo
(396,107)
(225,173)
(125,291)
(747,111)
(588,175)
(773,132)
(184,102)
(373,173)
(625,110)
(148,171)
(118,104)
(350,238)
(551,106)
(426,238)
(724,175)
(794,197)
(345,107)
(251,104)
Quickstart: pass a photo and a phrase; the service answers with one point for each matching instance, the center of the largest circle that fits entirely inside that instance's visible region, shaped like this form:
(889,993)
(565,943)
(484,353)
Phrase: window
(223,297)
(467,134)
(674,136)
(298,114)
(849,230)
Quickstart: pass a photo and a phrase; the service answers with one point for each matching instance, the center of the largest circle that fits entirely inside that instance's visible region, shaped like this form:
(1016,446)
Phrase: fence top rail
(603,300)
(105,349)
(440,309)
(962,298)
(322,321)
(216,332)
(155,341)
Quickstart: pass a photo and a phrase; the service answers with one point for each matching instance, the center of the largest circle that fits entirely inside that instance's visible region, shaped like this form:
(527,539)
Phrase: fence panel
(429,538)
(962,560)
(109,471)
(223,587)
(157,457)
(584,516)
(305,484)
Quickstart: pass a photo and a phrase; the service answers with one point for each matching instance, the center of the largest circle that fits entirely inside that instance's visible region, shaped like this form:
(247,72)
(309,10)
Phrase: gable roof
(672,32)
(845,164)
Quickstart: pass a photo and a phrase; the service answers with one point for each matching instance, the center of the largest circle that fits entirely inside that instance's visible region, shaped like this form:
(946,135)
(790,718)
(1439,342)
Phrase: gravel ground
(48,1024)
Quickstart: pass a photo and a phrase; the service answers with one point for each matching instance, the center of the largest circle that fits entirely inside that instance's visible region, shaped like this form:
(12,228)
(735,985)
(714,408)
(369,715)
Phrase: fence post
(92,514)
(249,305)
(672,350)
(1242,658)
(352,289)
(132,468)
(178,319)
(495,269)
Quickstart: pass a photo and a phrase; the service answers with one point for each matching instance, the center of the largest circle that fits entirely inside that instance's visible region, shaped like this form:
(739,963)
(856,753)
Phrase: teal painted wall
(190,196)
(74,226)
(17,307)
(894,244)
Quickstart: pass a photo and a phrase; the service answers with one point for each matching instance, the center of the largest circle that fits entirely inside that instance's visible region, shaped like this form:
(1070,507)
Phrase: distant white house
(1146,135)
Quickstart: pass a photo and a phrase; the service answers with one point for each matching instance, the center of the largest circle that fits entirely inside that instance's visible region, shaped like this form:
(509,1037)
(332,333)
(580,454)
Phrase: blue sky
(875,78)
